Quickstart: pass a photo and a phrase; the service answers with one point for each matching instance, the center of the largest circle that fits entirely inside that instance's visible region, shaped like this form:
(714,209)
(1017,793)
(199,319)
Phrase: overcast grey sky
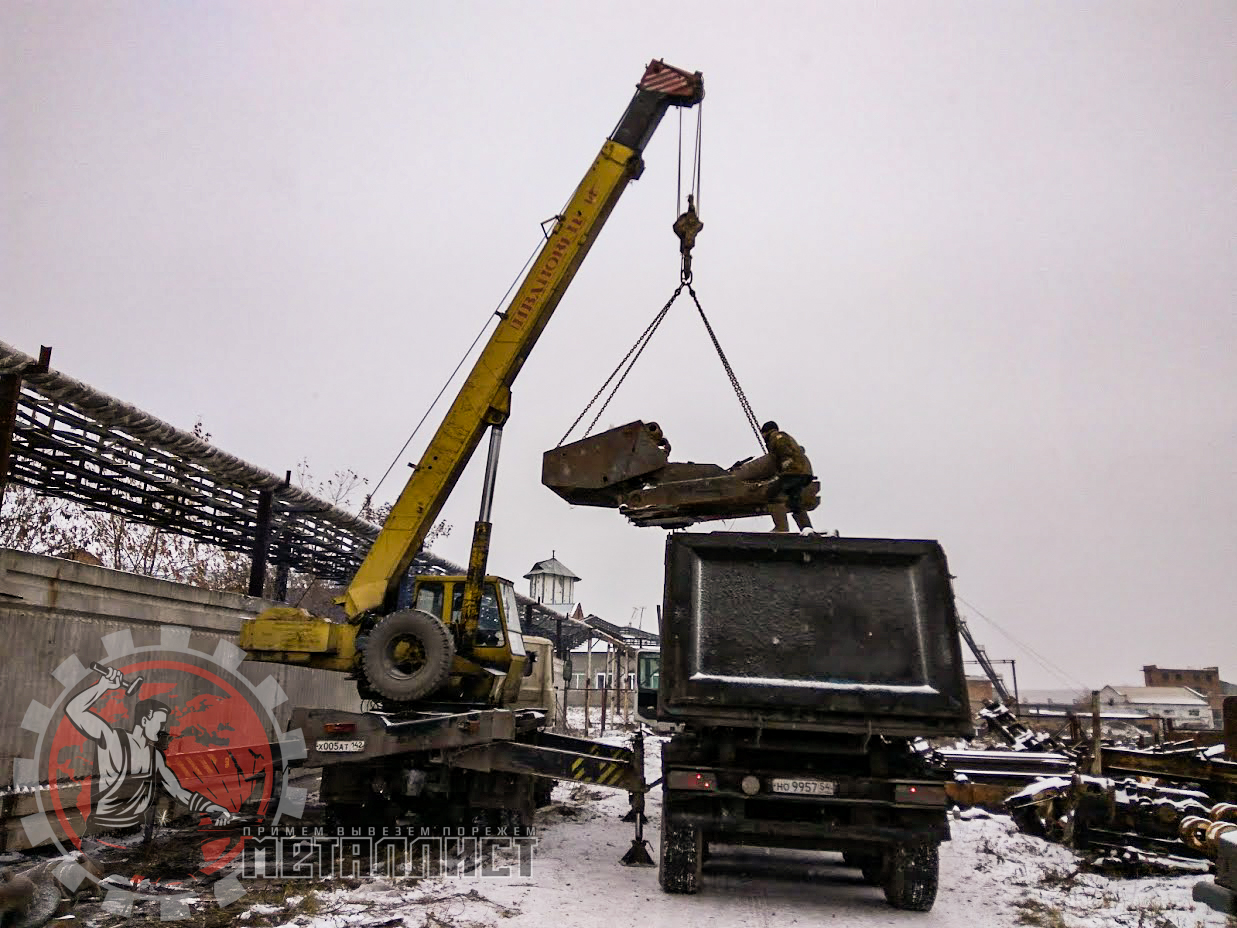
(977,257)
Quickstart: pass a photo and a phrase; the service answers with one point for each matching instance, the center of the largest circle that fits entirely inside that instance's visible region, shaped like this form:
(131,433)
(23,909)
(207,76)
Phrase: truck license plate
(340,747)
(804,787)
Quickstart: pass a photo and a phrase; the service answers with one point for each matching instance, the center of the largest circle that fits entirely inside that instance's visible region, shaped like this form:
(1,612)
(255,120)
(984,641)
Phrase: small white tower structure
(553,585)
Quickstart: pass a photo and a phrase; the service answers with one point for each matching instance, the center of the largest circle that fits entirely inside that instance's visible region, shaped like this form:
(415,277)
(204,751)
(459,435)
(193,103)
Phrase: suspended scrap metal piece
(629,468)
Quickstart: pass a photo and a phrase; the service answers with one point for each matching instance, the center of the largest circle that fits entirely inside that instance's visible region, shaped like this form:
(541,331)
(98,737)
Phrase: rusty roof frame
(73,442)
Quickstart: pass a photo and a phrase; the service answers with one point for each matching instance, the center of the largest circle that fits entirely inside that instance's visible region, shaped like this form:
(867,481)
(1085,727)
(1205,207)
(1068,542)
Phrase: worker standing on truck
(788,462)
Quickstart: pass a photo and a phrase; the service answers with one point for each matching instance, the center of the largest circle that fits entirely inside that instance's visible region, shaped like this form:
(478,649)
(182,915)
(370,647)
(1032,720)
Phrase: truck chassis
(449,764)
(882,805)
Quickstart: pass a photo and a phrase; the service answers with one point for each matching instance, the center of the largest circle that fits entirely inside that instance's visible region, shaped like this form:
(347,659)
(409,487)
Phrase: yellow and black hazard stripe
(602,772)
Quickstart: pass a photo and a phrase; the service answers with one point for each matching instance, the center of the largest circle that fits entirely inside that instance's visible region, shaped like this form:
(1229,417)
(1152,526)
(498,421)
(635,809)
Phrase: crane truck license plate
(804,787)
(340,747)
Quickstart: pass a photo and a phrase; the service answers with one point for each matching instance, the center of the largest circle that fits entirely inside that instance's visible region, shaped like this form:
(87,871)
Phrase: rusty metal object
(595,471)
(708,497)
(1002,722)
(1229,712)
(628,468)
(1218,777)
(1100,814)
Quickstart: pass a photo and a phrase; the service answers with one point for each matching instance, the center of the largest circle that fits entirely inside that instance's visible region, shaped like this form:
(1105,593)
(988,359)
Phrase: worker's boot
(804,523)
(779,519)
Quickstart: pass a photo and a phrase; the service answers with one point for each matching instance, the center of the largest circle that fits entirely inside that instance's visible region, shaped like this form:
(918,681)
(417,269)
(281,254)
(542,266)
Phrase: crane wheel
(407,656)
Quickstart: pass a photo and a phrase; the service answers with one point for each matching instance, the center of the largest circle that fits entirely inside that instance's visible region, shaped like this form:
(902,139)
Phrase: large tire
(682,853)
(407,656)
(912,877)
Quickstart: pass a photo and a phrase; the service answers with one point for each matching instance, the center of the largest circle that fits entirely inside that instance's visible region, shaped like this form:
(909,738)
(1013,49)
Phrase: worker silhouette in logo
(788,463)
(131,764)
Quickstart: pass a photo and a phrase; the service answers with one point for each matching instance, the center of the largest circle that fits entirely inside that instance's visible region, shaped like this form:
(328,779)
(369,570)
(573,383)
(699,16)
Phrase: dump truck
(806,675)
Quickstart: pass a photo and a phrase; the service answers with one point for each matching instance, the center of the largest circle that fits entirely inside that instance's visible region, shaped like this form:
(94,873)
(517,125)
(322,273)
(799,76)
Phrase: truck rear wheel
(911,878)
(681,857)
(872,866)
(407,656)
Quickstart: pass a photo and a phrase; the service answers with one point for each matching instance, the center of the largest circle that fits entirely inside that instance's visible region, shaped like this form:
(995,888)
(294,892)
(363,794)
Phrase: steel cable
(636,349)
(734,380)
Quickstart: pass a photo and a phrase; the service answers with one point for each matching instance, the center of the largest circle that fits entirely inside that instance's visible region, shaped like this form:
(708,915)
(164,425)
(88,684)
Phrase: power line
(488,319)
(1036,656)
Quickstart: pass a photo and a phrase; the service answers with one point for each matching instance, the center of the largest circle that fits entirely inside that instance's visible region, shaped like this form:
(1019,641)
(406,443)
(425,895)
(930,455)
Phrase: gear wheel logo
(153,723)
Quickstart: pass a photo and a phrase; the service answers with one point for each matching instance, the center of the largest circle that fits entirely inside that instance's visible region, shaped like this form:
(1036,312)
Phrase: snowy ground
(991,877)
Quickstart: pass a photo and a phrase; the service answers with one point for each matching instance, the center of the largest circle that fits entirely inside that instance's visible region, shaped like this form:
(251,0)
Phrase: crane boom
(485,398)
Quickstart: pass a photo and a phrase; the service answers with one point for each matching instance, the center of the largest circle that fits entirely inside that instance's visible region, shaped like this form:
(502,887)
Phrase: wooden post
(625,693)
(588,685)
(605,694)
(1097,759)
(1229,710)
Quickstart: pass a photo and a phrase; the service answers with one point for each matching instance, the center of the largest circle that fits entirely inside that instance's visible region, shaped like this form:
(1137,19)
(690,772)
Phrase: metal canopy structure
(65,439)
(71,441)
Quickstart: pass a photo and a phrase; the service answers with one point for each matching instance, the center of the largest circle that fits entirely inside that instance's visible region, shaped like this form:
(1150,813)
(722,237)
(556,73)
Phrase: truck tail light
(339,728)
(919,794)
(691,779)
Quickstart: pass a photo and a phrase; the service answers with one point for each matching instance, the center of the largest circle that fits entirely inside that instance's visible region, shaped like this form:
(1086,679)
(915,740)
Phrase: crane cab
(648,677)
(499,643)
(491,672)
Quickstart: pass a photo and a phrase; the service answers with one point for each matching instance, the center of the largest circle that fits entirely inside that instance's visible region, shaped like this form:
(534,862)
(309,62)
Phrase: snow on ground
(992,876)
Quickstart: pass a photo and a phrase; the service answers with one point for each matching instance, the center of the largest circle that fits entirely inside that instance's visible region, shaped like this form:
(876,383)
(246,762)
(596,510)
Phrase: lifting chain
(734,380)
(687,226)
(633,355)
(637,349)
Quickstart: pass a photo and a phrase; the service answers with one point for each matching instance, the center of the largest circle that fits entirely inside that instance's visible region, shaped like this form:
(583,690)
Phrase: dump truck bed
(831,634)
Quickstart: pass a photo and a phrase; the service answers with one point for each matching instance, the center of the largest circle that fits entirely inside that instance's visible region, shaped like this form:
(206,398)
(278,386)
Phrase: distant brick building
(979,690)
(1204,680)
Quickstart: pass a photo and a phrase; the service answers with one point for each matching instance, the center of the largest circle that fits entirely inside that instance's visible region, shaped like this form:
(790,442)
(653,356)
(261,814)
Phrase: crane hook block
(687,227)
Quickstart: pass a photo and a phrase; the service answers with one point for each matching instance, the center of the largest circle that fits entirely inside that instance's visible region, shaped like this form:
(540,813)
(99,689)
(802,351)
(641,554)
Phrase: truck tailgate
(842,634)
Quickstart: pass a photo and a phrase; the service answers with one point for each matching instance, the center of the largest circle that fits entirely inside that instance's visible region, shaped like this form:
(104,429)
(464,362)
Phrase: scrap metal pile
(1170,802)
(1167,802)
(1002,723)
(1120,819)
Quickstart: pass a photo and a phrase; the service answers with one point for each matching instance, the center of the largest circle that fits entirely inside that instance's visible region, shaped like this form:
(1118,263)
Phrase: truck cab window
(490,623)
(648,667)
(429,598)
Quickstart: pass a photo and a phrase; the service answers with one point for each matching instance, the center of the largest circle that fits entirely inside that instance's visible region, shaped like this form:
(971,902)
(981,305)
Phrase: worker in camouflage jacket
(788,463)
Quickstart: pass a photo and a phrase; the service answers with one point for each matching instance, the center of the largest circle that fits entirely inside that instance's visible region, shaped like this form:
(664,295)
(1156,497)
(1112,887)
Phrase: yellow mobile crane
(461,641)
